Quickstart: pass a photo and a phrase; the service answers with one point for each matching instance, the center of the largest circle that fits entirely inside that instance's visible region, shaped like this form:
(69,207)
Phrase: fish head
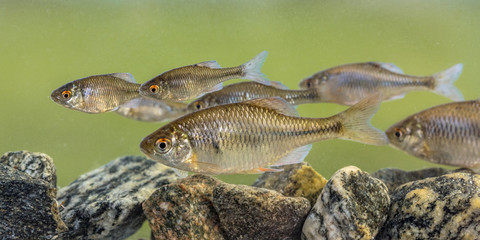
(69,96)
(154,88)
(169,146)
(408,136)
(201,103)
(317,80)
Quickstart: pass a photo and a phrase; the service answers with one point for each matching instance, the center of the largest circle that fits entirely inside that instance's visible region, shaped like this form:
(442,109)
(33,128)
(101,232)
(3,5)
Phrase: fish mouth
(146,146)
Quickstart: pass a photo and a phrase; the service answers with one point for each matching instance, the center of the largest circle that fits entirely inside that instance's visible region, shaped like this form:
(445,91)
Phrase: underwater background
(45,44)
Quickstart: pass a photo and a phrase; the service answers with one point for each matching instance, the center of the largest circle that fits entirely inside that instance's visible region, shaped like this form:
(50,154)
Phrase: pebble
(444,207)
(296,180)
(353,205)
(106,202)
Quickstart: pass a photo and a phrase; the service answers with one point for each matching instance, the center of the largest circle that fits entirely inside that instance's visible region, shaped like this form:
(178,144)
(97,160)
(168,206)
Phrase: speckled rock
(296,180)
(106,202)
(35,164)
(395,177)
(353,205)
(28,209)
(184,210)
(254,213)
(444,207)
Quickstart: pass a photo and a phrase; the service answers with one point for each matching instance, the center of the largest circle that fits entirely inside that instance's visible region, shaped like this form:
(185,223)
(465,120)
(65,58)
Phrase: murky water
(46,44)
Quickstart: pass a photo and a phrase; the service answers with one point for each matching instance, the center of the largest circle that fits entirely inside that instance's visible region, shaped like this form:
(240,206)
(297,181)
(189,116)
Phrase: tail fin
(356,122)
(444,83)
(253,69)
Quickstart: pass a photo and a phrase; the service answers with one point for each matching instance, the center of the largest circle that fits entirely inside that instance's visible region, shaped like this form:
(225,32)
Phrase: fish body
(447,134)
(151,110)
(195,80)
(244,91)
(348,84)
(97,94)
(248,136)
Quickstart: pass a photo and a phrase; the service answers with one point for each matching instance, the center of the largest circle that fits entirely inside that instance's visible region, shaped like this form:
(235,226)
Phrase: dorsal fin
(209,64)
(388,66)
(125,76)
(278,85)
(276,103)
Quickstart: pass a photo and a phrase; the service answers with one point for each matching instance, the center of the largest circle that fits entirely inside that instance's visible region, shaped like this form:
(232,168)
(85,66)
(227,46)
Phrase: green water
(44,44)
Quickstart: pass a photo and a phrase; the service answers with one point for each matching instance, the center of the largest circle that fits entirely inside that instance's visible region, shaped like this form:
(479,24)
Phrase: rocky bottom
(112,202)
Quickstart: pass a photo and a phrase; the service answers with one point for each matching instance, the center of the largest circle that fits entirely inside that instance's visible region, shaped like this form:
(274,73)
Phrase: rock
(444,207)
(253,213)
(106,202)
(353,205)
(296,180)
(28,207)
(395,177)
(184,210)
(35,164)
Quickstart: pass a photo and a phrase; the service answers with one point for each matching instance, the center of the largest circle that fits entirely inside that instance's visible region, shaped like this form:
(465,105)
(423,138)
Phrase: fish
(348,84)
(249,136)
(244,91)
(447,134)
(98,93)
(193,81)
(151,110)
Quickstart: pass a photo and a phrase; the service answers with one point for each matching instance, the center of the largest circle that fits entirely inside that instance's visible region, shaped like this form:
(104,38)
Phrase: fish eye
(198,105)
(398,132)
(309,84)
(66,94)
(163,145)
(154,88)
(324,77)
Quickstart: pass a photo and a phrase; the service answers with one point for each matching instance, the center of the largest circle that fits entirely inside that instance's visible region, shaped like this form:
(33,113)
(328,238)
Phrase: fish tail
(444,83)
(253,69)
(356,122)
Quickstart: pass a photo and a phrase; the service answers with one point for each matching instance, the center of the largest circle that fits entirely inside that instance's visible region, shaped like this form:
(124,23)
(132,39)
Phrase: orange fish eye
(66,94)
(198,105)
(154,88)
(163,144)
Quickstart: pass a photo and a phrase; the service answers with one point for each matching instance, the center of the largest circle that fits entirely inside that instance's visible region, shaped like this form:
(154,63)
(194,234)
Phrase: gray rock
(393,177)
(296,180)
(254,213)
(353,205)
(444,207)
(184,210)
(35,164)
(28,207)
(106,202)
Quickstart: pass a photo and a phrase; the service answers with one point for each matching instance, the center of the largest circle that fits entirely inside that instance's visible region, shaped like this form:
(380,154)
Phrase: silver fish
(97,94)
(248,136)
(195,80)
(244,91)
(447,134)
(151,110)
(348,84)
